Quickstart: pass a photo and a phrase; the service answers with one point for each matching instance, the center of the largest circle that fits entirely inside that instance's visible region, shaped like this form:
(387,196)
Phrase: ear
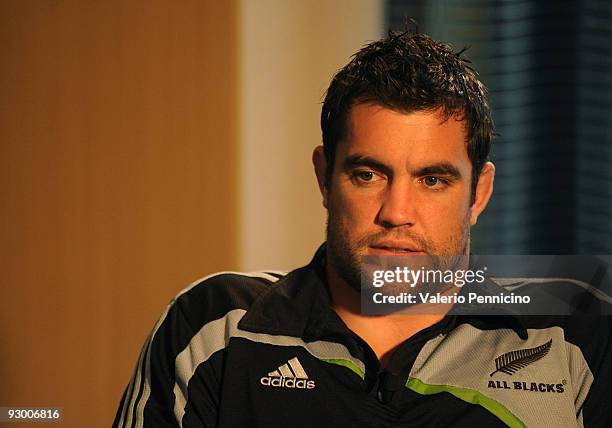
(320,166)
(484,189)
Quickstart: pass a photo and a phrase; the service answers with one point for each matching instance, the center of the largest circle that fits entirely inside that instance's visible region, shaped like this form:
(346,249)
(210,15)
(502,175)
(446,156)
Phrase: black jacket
(266,349)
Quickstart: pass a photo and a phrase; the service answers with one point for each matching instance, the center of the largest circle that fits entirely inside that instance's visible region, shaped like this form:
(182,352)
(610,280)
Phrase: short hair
(409,72)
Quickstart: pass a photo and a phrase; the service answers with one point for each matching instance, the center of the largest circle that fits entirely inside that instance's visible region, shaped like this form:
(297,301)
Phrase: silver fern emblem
(512,361)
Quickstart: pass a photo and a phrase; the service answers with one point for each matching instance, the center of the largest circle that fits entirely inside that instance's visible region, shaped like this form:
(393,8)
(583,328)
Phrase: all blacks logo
(528,386)
(511,362)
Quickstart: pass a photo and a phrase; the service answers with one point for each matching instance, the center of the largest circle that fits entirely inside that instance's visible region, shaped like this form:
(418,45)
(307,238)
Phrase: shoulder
(581,310)
(214,296)
(590,336)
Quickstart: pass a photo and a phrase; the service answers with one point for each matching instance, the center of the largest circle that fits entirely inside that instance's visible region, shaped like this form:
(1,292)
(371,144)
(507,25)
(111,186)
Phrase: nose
(398,206)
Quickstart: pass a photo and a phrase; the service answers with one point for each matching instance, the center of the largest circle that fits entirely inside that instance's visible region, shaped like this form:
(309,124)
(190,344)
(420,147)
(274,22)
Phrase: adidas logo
(289,375)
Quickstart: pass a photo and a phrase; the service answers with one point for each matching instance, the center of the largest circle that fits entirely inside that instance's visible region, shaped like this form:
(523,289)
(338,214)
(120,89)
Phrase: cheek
(354,206)
(346,212)
(446,215)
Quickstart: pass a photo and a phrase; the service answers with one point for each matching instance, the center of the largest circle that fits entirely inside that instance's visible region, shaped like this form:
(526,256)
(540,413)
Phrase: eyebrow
(443,168)
(354,161)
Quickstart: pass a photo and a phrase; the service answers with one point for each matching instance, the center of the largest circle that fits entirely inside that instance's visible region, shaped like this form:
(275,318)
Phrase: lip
(394,248)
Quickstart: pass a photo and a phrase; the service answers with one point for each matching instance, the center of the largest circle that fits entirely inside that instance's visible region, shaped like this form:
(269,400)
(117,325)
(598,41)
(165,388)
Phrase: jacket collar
(299,305)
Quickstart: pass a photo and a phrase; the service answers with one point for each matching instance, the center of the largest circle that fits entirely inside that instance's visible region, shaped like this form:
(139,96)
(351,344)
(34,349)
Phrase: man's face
(400,185)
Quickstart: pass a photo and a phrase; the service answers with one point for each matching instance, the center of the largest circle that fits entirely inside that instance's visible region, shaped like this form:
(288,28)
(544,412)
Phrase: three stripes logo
(289,375)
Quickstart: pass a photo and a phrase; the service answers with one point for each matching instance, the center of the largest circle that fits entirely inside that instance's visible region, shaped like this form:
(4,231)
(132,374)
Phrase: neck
(383,333)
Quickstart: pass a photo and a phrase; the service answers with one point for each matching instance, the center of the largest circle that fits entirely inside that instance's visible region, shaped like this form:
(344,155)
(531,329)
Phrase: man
(403,170)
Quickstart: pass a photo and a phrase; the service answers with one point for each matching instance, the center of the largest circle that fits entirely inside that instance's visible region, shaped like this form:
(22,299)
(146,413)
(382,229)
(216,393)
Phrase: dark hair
(408,72)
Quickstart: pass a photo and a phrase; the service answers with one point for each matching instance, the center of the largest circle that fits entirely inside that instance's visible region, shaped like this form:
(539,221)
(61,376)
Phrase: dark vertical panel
(594,128)
(548,70)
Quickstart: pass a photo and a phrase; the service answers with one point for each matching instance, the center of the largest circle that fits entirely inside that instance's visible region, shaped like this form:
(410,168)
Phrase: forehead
(414,138)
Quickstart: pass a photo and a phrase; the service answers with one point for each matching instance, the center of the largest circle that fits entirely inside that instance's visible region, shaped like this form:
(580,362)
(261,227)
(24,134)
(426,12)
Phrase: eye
(365,176)
(433,182)
(430,181)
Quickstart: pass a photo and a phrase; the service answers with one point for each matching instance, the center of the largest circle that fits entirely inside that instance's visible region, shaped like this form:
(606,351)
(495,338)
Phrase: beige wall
(289,51)
(145,144)
(117,185)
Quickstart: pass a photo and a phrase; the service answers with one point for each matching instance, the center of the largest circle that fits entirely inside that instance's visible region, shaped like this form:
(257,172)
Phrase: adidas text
(284,382)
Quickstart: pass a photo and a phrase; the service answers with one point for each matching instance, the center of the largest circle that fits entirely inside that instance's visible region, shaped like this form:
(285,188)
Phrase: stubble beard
(345,256)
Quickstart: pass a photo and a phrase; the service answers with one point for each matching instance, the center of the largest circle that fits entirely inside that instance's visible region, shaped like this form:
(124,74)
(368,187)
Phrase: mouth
(394,248)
